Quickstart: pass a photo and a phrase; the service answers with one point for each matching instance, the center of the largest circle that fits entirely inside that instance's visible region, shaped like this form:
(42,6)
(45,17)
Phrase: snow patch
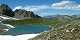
(8,25)
(19,37)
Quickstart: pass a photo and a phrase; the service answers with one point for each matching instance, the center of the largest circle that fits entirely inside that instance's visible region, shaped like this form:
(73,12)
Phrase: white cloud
(18,7)
(66,5)
(32,8)
(35,9)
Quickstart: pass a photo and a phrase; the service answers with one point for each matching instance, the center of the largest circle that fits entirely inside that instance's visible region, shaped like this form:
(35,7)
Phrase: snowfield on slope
(8,18)
(19,37)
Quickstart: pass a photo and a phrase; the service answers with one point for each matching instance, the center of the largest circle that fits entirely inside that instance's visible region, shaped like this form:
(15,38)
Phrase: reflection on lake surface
(27,29)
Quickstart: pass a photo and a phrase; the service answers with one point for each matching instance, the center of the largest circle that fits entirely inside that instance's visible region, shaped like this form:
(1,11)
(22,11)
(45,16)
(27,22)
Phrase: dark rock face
(6,10)
(23,14)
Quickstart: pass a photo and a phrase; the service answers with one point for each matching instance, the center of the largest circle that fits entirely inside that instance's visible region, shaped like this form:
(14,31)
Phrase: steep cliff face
(23,14)
(6,10)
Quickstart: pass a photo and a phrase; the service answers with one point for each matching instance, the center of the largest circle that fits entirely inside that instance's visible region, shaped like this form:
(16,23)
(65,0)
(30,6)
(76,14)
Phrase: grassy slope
(26,21)
(35,21)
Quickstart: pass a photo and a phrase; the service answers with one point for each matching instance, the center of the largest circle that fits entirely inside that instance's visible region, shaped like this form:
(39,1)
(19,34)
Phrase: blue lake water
(27,29)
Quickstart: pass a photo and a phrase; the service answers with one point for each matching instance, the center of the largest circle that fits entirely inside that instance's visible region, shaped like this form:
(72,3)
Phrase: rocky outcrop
(23,14)
(6,10)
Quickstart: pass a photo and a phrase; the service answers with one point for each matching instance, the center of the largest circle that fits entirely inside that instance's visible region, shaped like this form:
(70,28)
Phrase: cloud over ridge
(32,8)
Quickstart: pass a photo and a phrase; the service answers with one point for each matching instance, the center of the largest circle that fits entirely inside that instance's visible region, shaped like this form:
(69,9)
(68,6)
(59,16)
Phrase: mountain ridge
(18,13)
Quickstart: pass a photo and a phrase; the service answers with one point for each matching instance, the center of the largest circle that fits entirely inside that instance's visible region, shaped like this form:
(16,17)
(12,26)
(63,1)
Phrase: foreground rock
(69,31)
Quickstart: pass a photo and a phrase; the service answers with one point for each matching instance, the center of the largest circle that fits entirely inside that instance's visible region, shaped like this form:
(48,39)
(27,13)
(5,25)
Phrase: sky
(46,7)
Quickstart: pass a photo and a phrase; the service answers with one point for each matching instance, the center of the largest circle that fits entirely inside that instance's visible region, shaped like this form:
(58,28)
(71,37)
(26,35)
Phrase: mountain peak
(6,10)
(23,14)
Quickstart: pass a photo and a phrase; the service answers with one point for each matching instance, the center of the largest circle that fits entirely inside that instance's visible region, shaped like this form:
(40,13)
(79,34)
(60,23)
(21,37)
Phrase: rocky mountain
(23,14)
(6,10)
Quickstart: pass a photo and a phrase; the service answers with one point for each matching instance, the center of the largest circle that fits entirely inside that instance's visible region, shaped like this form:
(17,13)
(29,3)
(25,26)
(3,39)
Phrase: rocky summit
(6,10)
(23,14)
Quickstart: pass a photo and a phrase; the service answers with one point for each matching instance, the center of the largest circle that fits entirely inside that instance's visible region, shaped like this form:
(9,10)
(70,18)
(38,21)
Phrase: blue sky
(46,7)
(14,3)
